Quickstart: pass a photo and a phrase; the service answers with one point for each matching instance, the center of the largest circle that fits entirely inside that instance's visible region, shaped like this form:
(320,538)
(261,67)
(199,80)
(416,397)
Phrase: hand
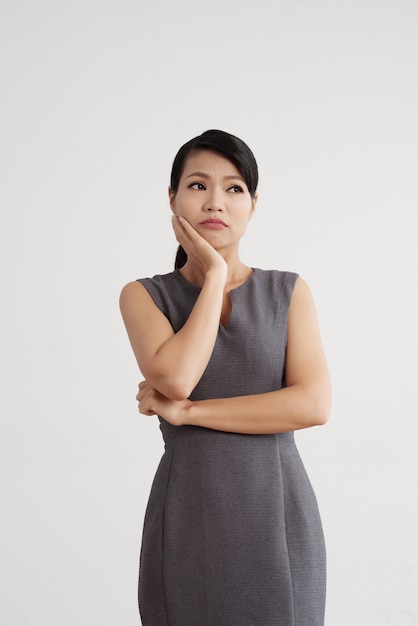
(198,250)
(152,402)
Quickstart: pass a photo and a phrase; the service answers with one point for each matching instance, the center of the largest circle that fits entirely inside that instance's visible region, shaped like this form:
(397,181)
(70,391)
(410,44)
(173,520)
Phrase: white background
(97,96)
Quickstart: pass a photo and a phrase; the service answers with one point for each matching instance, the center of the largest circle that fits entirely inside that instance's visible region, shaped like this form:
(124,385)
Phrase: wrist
(187,413)
(217,275)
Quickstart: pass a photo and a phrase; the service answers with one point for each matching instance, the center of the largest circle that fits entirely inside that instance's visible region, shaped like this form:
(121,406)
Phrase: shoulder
(302,302)
(159,279)
(143,285)
(141,299)
(150,293)
(133,295)
(277,283)
(281,276)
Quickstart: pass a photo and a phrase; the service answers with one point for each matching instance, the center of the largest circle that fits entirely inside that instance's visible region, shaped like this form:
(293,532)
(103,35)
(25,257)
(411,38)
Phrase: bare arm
(304,402)
(173,363)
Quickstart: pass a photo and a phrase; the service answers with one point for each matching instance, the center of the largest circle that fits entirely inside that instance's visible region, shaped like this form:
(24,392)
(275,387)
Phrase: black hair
(228,146)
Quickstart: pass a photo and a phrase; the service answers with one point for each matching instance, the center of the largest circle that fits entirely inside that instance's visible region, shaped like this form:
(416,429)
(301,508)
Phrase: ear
(171,196)
(255,199)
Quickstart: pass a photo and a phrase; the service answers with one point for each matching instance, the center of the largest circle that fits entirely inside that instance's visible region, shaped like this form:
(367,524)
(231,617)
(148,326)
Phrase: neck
(238,273)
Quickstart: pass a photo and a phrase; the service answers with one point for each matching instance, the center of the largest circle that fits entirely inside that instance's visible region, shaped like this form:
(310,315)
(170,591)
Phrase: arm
(173,363)
(304,402)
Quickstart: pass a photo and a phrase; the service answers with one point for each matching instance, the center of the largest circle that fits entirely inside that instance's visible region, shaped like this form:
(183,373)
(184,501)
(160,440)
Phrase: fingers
(182,230)
(142,387)
(145,398)
(144,407)
(185,233)
(146,411)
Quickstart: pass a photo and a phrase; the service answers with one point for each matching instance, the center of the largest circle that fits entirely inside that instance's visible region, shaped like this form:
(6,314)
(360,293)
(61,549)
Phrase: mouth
(213,223)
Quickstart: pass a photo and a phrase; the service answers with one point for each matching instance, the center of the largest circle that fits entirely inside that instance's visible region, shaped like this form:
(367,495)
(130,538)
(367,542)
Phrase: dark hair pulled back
(228,146)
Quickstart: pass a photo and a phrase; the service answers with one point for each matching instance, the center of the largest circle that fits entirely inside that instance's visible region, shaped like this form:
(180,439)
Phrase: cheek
(176,205)
(246,219)
(182,206)
(246,211)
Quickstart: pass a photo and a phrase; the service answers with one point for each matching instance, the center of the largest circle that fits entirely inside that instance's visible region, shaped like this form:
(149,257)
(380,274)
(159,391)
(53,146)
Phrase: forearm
(180,362)
(287,409)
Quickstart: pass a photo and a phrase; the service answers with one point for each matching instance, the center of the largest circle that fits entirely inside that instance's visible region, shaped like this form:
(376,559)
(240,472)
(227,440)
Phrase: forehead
(211,163)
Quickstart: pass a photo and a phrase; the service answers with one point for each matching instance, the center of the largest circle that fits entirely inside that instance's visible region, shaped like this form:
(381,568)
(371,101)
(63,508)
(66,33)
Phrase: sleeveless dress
(232,534)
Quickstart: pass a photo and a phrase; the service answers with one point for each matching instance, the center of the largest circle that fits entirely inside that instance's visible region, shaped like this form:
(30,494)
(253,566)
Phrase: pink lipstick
(214,224)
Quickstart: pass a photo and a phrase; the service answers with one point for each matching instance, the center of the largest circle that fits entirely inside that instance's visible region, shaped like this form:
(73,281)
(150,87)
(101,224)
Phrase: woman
(233,364)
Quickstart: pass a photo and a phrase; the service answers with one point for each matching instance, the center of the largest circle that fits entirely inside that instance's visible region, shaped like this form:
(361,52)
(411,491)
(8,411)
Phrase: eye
(235,189)
(199,186)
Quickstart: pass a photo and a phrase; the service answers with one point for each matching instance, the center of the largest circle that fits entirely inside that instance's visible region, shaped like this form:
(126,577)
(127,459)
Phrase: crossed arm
(173,363)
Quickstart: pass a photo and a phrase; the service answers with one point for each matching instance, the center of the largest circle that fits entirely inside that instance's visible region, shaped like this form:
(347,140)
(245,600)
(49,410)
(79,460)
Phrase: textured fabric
(232,534)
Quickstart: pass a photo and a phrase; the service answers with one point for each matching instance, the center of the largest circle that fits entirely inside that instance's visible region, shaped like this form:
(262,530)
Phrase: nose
(214,202)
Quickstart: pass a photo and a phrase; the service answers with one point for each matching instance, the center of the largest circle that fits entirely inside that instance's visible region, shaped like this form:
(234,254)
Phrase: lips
(213,223)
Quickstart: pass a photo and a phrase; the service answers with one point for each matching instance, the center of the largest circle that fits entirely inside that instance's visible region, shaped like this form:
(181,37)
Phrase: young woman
(232,363)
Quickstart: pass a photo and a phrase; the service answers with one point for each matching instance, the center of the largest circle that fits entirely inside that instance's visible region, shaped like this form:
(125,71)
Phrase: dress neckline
(224,328)
(235,289)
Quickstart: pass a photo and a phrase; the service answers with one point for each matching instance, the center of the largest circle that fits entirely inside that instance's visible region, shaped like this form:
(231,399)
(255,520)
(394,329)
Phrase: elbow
(173,389)
(321,419)
(322,414)
(178,393)
(320,408)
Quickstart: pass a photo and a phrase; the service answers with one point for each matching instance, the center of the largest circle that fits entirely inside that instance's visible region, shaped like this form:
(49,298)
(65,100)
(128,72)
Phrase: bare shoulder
(134,289)
(134,296)
(302,300)
(138,307)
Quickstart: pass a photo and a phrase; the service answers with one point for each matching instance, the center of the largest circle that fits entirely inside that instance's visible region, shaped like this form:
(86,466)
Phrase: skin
(173,363)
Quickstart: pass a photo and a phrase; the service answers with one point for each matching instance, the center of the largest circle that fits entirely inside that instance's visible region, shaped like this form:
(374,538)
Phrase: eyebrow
(203,175)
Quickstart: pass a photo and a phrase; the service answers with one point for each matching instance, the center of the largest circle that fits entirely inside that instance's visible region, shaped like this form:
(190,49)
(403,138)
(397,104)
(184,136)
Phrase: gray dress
(232,534)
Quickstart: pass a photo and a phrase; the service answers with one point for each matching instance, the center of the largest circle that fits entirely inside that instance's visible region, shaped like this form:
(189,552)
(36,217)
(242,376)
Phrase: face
(213,197)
